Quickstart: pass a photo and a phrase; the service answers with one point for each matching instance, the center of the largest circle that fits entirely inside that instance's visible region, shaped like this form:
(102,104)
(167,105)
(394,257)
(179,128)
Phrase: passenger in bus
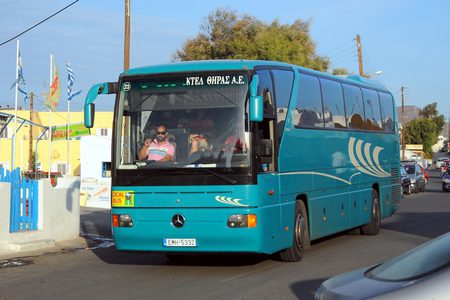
(356,121)
(201,129)
(235,142)
(159,149)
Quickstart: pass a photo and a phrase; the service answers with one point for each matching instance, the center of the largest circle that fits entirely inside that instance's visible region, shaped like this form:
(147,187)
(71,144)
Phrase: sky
(409,41)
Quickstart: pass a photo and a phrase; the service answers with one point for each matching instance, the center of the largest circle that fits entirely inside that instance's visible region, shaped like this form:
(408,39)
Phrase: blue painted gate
(24,200)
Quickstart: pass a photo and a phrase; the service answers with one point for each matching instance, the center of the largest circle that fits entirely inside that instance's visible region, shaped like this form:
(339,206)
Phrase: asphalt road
(104,273)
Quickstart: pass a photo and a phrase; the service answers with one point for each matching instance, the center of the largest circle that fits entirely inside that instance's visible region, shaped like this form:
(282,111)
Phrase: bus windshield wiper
(223,177)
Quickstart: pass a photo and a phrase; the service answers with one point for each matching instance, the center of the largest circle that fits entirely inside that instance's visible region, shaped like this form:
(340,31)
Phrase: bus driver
(159,149)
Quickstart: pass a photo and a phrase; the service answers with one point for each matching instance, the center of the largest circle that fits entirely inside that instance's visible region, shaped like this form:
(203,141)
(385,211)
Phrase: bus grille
(396,192)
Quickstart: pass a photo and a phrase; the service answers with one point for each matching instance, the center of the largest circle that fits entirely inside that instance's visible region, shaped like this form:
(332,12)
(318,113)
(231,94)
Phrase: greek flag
(70,79)
(20,80)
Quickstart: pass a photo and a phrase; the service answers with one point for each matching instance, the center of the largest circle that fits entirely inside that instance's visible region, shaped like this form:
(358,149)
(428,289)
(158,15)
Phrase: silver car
(421,273)
(416,175)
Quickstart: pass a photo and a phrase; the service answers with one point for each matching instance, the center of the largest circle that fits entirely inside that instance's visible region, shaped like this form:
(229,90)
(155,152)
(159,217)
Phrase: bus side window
(354,106)
(309,103)
(283,80)
(387,112)
(268,103)
(372,109)
(333,103)
(266,127)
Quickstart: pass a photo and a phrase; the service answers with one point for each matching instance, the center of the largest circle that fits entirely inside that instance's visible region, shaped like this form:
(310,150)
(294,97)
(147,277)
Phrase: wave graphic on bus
(364,159)
(229,200)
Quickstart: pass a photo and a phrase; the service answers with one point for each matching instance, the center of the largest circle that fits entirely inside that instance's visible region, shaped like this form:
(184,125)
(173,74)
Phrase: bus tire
(301,235)
(373,227)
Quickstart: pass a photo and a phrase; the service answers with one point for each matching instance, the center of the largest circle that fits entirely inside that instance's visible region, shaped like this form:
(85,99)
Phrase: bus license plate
(180,242)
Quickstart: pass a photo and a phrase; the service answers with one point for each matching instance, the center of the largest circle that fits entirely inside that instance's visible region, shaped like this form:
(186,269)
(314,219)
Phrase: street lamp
(368,75)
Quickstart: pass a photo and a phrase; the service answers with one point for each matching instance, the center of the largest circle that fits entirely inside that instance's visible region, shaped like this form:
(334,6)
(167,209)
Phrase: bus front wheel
(301,235)
(373,227)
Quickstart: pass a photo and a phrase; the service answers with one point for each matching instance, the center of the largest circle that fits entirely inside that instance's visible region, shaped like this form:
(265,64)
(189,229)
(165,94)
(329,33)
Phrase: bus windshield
(183,121)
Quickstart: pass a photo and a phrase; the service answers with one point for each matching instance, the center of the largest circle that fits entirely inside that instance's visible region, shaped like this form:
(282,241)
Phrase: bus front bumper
(203,230)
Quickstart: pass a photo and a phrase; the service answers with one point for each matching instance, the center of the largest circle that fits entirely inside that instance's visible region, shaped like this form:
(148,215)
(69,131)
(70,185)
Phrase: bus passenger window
(283,80)
(372,109)
(333,104)
(387,112)
(354,106)
(308,111)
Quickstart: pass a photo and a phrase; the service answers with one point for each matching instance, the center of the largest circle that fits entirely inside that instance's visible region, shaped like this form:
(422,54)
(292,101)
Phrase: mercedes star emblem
(178,221)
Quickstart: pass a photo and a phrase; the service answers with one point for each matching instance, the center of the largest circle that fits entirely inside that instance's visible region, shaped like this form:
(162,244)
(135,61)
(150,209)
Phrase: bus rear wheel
(301,236)
(373,227)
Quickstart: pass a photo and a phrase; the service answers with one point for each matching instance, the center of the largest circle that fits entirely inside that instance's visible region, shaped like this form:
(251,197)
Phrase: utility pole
(403,123)
(126,50)
(358,46)
(30,138)
(126,53)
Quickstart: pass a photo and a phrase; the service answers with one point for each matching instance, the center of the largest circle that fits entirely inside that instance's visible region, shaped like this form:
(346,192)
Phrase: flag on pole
(20,80)
(55,89)
(70,79)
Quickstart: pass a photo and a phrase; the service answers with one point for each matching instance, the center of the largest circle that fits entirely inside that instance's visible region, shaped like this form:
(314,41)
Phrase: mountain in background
(411,113)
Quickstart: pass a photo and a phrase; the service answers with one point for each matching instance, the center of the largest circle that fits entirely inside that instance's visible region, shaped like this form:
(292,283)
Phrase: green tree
(225,35)
(421,131)
(425,129)
(340,71)
(430,112)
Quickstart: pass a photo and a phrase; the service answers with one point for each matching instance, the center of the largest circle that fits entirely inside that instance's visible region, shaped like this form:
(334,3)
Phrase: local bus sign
(77,129)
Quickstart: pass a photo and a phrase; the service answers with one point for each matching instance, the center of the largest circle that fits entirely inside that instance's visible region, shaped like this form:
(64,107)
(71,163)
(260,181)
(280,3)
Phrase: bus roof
(213,65)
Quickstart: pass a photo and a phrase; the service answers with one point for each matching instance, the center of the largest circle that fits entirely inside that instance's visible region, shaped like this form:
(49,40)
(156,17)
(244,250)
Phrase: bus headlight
(122,220)
(242,221)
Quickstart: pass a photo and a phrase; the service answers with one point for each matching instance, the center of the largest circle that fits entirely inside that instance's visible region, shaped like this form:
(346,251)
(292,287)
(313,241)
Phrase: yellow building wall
(103,120)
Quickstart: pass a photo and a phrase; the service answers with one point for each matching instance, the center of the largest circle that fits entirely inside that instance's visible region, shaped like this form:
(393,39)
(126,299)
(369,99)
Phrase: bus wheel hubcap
(299,231)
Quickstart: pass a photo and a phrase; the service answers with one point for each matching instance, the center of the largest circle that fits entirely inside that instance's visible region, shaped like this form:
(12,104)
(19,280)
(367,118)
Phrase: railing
(24,200)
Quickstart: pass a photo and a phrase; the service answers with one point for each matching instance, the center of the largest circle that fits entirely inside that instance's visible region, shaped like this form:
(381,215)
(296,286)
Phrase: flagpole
(68,134)
(13,142)
(50,121)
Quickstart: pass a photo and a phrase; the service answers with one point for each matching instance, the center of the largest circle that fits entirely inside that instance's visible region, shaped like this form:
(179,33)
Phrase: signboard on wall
(77,129)
(95,192)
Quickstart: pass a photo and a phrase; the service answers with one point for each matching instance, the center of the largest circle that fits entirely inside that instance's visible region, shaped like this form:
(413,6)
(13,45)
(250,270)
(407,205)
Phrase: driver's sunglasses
(161,132)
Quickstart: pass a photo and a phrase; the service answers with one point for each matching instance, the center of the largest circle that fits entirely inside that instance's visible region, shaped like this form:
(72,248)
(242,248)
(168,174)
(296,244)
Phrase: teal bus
(311,155)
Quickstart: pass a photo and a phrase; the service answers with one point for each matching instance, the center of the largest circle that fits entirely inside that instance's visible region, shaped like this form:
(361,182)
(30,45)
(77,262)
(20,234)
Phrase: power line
(350,48)
(39,23)
(349,58)
(339,47)
(336,58)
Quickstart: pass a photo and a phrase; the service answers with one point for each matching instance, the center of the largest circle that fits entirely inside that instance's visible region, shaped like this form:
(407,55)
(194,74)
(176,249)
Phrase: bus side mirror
(256,110)
(89,106)
(89,112)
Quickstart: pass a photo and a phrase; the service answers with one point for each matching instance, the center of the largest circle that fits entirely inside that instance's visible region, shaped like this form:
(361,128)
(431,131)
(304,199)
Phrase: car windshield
(425,259)
(409,169)
(402,171)
(183,121)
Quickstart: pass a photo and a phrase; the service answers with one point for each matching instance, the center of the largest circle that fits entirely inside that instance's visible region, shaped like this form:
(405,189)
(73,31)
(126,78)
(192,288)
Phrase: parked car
(415,175)
(406,182)
(421,273)
(440,161)
(445,166)
(446,181)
